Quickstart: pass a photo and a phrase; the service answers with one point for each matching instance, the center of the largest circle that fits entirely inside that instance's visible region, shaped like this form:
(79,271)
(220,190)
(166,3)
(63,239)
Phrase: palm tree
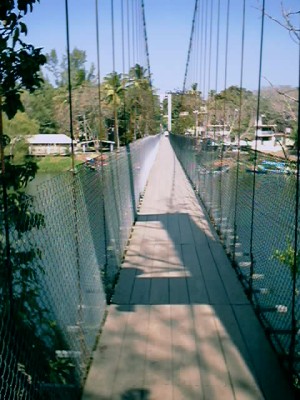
(114,90)
(139,87)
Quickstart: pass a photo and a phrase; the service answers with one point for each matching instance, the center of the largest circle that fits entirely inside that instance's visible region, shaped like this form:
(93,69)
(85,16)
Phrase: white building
(267,139)
(52,144)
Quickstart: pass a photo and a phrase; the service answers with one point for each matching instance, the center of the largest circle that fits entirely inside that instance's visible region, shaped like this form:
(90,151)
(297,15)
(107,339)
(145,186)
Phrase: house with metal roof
(52,144)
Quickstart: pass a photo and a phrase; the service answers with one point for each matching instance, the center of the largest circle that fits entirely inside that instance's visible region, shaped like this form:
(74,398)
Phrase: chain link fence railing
(251,200)
(62,244)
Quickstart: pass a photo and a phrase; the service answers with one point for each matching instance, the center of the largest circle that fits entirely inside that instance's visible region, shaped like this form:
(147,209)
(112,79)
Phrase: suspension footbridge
(168,267)
(180,325)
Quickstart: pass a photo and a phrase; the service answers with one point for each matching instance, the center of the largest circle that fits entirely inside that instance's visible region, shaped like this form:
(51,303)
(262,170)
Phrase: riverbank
(56,164)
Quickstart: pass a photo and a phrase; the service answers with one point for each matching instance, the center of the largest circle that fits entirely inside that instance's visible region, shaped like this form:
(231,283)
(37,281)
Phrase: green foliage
(79,73)
(19,62)
(130,107)
(287,258)
(113,89)
(39,107)
(140,103)
(186,103)
(61,370)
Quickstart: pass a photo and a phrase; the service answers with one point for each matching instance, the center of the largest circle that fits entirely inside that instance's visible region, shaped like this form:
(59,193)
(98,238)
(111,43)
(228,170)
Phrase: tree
(289,21)
(137,86)
(53,66)
(59,70)
(114,95)
(19,62)
(240,120)
(18,128)
(39,106)
(186,107)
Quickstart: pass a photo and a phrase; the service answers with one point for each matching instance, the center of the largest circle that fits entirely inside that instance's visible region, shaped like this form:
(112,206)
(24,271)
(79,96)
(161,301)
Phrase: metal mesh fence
(253,211)
(61,248)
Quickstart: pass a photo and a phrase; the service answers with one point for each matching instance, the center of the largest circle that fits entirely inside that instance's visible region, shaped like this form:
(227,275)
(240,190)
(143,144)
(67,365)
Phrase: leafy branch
(19,62)
(287,257)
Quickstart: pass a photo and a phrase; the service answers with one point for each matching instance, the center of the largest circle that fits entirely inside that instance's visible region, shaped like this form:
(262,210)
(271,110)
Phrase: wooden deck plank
(123,290)
(101,378)
(186,371)
(215,288)
(238,361)
(214,372)
(160,291)
(132,359)
(158,368)
(141,291)
(265,362)
(230,280)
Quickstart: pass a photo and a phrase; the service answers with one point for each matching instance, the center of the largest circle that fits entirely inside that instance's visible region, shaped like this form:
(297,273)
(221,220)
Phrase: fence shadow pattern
(46,344)
(255,219)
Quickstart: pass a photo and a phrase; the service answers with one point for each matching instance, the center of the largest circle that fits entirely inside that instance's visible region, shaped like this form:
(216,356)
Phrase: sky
(169,24)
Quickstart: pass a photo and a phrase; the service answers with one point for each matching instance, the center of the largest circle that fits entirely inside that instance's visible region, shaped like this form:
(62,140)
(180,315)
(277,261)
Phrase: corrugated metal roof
(58,138)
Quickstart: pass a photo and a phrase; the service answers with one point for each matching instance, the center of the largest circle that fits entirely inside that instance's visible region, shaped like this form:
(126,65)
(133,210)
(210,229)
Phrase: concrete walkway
(180,326)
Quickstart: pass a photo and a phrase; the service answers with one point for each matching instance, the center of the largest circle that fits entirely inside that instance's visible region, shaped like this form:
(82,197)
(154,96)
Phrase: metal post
(169,112)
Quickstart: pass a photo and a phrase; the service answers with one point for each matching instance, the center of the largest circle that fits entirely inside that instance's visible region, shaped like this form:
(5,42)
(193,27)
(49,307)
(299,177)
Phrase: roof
(58,138)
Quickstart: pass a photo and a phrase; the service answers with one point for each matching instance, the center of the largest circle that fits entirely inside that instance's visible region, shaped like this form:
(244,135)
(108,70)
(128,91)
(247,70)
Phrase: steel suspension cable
(146,42)
(201,47)
(209,58)
(83,348)
(138,37)
(239,131)
(116,133)
(113,34)
(123,36)
(128,35)
(125,121)
(98,68)
(100,116)
(296,238)
(142,44)
(69,84)
(208,108)
(190,46)
(133,33)
(196,52)
(205,49)
(255,150)
(216,83)
(224,104)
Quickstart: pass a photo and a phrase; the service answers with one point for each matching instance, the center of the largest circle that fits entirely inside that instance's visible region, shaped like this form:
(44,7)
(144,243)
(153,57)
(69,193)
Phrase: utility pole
(169,112)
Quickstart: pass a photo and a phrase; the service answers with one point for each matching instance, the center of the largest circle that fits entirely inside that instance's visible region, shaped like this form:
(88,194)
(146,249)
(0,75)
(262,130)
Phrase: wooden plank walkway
(180,326)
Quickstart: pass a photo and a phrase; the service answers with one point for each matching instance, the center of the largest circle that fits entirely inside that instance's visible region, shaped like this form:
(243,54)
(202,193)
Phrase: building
(218,132)
(52,144)
(267,139)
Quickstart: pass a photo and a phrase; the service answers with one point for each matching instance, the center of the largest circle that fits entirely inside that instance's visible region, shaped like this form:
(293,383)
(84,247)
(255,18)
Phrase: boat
(272,167)
(275,167)
(257,170)
(213,170)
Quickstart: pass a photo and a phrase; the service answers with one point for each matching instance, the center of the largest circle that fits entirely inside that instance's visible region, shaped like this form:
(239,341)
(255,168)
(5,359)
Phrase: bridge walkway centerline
(180,325)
